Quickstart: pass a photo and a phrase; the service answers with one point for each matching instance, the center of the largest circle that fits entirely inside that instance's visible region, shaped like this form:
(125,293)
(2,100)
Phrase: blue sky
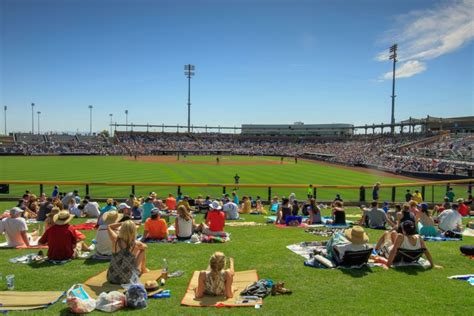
(256,61)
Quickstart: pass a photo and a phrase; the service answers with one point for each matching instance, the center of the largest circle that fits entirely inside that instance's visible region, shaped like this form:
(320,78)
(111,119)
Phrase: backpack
(261,288)
(136,296)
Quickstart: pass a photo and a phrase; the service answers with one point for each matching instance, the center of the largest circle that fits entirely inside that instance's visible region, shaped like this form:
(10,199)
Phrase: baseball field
(374,291)
(203,169)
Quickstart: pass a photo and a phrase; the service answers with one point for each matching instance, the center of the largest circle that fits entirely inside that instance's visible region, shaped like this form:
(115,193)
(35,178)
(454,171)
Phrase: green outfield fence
(432,191)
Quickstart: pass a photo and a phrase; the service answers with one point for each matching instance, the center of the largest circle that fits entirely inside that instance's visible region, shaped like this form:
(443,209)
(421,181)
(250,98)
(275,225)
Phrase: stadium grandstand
(423,153)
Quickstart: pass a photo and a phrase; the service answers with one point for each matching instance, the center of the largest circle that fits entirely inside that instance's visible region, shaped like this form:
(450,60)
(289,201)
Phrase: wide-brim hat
(112,217)
(216,205)
(356,235)
(62,218)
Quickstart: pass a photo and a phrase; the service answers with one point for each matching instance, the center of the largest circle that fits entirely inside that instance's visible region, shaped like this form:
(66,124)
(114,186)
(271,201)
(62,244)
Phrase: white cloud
(428,34)
(406,70)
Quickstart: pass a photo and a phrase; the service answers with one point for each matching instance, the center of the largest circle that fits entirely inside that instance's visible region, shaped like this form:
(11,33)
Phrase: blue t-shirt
(107,208)
(236,199)
(147,207)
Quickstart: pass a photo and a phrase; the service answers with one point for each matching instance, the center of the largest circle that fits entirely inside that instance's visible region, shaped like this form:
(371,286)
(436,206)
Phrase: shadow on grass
(91,261)
(413,270)
(45,264)
(357,272)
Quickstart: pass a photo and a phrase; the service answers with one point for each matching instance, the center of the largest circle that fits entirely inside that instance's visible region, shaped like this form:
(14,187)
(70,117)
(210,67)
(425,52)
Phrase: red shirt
(171,203)
(463,209)
(61,240)
(216,220)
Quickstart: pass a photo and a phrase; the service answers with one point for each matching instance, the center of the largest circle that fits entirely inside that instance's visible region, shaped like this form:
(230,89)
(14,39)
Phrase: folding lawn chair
(409,256)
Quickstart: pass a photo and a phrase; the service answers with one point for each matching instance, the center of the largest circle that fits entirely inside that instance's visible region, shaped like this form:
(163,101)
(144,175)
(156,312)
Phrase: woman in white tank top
(184,224)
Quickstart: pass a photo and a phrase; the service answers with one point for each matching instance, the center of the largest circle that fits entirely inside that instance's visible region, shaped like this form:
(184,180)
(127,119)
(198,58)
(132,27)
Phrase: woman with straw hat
(357,241)
(103,242)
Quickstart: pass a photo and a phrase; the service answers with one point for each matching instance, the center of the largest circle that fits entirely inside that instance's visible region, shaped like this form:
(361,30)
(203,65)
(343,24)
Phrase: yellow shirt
(185,204)
(246,207)
(417,197)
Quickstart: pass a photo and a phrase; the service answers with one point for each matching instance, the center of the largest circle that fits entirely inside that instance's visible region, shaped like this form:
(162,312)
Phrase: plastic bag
(78,301)
(110,302)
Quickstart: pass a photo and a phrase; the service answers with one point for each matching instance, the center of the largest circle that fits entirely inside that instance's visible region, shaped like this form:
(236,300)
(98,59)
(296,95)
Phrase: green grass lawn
(408,291)
(118,169)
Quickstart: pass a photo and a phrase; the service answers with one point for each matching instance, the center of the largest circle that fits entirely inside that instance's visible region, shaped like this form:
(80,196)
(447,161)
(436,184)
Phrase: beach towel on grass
(33,245)
(170,239)
(84,226)
(98,283)
(242,279)
(440,238)
(466,277)
(17,300)
(239,224)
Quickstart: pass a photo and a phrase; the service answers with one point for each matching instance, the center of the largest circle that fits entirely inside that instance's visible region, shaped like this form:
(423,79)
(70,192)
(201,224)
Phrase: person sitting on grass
(170,202)
(425,224)
(374,217)
(392,216)
(185,203)
(391,242)
(15,229)
(413,207)
(128,254)
(356,241)
(231,210)
(136,210)
(403,216)
(463,209)
(108,207)
(338,213)
(215,221)
(184,224)
(125,210)
(450,220)
(259,209)
(62,239)
(275,205)
(91,208)
(216,281)
(103,241)
(314,212)
(73,208)
(246,206)
(284,210)
(147,207)
(48,222)
(155,227)
(440,208)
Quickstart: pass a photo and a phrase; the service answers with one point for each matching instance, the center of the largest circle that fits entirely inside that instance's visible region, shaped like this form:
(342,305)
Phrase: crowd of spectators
(451,154)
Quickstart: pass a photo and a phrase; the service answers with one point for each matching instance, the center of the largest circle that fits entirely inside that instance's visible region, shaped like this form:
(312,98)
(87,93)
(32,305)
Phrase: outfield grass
(374,291)
(118,169)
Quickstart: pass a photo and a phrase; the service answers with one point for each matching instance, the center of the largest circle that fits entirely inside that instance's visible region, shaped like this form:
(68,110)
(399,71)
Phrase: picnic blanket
(302,225)
(98,283)
(323,231)
(440,238)
(238,224)
(242,279)
(466,277)
(28,258)
(17,300)
(304,249)
(468,232)
(33,245)
(84,226)
(171,238)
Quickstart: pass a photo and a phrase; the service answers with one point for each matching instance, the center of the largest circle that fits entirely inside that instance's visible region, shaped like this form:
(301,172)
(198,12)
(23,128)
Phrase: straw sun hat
(62,218)
(356,235)
(112,217)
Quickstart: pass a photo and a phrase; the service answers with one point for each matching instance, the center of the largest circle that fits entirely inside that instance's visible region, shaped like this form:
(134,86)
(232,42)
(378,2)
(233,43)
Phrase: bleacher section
(30,139)
(62,139)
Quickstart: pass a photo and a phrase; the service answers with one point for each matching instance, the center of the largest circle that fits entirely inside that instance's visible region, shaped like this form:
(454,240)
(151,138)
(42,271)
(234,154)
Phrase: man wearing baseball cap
(15,229)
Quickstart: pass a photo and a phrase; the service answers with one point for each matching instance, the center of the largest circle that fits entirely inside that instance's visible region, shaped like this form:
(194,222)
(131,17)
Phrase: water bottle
(10,282)
(164,271)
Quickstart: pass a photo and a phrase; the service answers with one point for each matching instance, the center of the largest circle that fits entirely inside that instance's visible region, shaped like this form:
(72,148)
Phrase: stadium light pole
(5,118)
(38,121)
(32,118)
(126,120)
(189,72)
(90,119)
(111,115)
(393,56)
